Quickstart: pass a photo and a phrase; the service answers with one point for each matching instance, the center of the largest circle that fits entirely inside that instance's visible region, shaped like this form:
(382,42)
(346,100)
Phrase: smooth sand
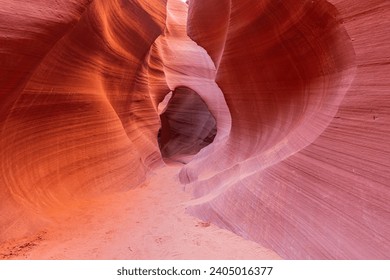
(148,222)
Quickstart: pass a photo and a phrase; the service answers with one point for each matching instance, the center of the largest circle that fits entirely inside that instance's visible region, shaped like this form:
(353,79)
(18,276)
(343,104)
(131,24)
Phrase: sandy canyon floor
(148,222)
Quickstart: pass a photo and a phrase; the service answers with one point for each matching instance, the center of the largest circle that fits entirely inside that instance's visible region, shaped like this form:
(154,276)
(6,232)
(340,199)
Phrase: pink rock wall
(298,90)
(306,88)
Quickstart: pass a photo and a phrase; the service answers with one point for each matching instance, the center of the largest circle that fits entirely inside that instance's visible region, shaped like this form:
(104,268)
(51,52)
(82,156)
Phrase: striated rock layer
(306,88)
(72,131)
(284,103)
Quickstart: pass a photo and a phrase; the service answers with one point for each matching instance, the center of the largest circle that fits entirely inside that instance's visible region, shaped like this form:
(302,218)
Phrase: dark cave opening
(187,125)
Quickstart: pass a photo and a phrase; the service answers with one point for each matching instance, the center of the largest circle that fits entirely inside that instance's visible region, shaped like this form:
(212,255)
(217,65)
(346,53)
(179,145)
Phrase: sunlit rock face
(282,105)
(74,76)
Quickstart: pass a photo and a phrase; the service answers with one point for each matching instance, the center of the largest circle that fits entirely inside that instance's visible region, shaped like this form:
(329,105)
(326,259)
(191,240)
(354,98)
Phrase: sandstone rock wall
(74,89)
(306,87)
(298,90)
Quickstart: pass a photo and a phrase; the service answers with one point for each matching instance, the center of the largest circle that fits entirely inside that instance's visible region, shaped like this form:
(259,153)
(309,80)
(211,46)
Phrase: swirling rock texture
(292,97)
(74,87)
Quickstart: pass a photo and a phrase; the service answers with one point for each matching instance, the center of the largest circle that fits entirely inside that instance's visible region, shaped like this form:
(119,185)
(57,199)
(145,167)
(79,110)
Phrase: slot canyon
(200,129)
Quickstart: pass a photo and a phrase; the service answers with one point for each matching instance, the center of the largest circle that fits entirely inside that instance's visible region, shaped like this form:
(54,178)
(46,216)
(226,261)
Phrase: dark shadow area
(187,125)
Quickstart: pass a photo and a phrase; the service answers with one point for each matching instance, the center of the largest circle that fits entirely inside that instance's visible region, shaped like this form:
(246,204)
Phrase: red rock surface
(298,89)
(71,131)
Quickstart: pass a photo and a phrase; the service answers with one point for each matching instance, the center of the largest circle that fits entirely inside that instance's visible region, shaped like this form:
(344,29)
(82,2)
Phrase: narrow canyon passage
(186,64)
(149,222)
(275,143)
(189,71)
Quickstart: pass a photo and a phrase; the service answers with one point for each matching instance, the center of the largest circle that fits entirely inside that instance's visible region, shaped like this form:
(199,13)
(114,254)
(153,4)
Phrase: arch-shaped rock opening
(187,125)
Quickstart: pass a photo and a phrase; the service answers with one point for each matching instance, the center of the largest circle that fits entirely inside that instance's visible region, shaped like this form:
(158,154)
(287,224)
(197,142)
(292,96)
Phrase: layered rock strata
(305,85)
(291,96)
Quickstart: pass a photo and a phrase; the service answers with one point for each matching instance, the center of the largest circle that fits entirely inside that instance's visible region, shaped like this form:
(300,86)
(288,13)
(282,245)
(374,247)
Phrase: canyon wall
(306,88)
(296,91)
(74,87)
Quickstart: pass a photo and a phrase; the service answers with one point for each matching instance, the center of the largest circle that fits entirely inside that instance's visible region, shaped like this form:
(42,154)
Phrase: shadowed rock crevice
(187,125)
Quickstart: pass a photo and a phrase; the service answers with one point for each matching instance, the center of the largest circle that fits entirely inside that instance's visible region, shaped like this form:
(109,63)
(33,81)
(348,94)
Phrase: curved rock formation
(72,130)
(295,91)
(302,180)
